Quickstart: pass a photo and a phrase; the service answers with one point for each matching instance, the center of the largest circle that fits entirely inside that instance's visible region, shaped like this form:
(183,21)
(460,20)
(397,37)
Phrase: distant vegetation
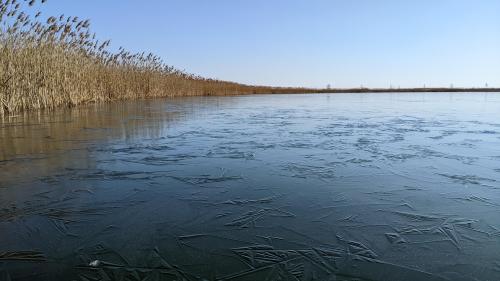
(53,61)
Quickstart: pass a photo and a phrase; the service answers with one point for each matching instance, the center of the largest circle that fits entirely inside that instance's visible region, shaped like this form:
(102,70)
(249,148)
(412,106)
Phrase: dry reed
(57,61)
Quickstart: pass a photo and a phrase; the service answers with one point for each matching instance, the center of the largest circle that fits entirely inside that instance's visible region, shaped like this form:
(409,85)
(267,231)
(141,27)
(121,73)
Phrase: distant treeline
(53,61)
(407,90)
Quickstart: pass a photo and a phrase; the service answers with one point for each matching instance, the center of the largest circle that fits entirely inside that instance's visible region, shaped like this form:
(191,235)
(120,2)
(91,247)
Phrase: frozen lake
(266,187)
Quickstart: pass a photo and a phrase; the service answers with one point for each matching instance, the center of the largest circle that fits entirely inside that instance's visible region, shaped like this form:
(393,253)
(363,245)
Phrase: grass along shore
(54,61)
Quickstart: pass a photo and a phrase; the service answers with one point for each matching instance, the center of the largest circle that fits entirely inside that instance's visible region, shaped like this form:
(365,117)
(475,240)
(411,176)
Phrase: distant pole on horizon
(486,85)
(451,86)
(328,86)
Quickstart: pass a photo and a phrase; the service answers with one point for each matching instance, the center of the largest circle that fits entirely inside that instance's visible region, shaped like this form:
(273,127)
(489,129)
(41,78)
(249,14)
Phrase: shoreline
(261,90)
(57,62)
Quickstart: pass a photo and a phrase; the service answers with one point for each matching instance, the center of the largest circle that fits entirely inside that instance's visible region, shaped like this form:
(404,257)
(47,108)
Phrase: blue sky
(309,43)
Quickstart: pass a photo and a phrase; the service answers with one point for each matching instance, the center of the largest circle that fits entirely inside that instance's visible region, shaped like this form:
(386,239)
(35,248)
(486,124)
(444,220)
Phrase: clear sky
(345,43)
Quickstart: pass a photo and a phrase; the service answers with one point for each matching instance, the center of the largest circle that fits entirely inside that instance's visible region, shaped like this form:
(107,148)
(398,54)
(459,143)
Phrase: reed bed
(54,61)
